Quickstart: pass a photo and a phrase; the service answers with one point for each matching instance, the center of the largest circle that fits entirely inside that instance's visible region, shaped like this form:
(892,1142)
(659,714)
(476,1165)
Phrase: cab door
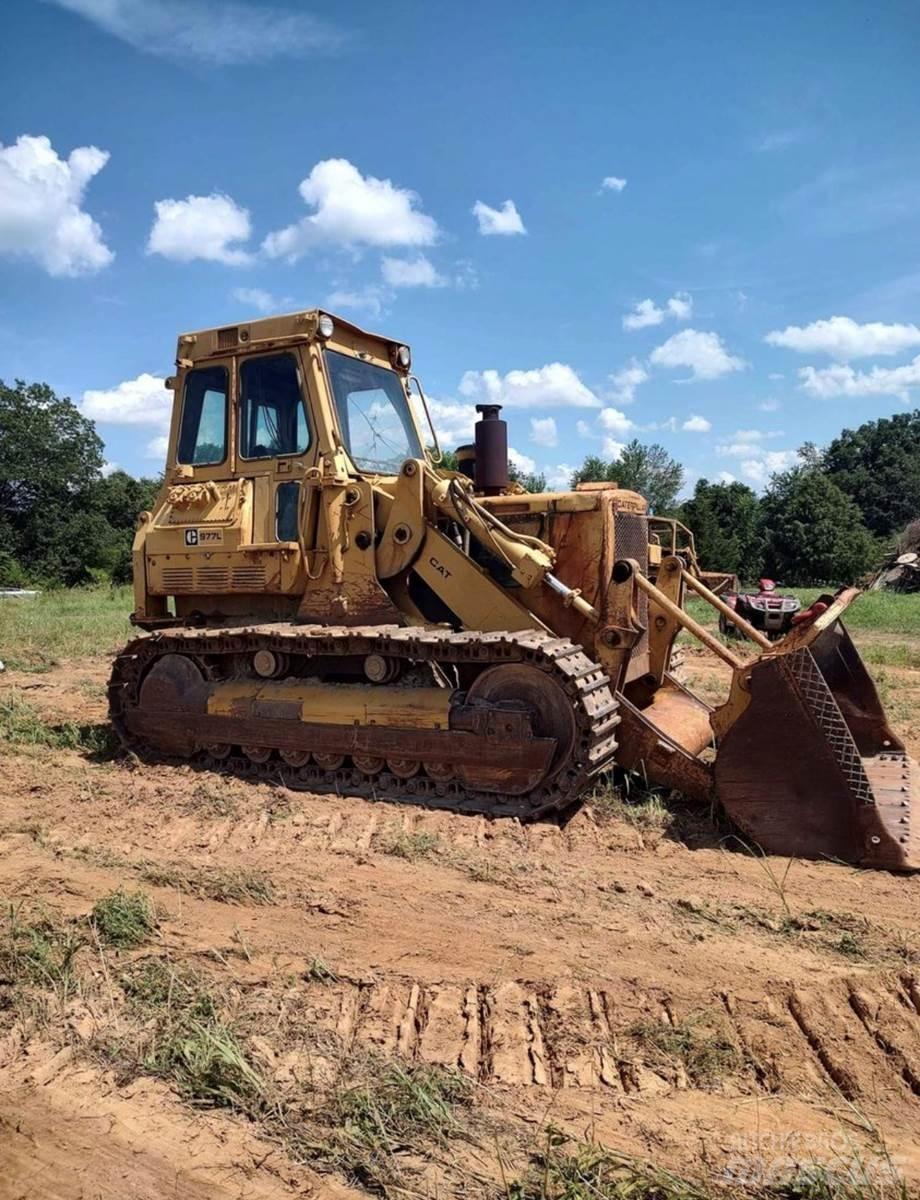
(274,446)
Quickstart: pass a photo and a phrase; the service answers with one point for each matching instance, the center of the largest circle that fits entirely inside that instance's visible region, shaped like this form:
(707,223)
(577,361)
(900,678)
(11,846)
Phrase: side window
(287,504)
(203,432)
(272,416)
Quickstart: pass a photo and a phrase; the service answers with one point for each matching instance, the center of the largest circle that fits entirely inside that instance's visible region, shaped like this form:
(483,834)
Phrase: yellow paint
(339,703)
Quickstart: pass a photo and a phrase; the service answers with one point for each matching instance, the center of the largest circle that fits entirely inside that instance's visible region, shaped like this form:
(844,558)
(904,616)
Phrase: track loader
(327,606)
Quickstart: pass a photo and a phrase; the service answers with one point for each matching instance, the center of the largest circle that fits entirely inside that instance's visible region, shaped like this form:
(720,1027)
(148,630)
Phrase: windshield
(373,414)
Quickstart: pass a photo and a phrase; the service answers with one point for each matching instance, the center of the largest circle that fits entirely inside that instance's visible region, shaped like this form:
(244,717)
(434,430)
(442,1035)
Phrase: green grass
(707,1054)
(37,634)
(124,919)
(211,883)
(632,800)
(21,724)
(40,952)
(411,846)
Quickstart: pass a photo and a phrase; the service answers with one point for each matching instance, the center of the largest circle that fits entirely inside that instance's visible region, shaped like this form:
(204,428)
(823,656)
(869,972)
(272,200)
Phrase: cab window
(373,413)
(203,432)
(272,417)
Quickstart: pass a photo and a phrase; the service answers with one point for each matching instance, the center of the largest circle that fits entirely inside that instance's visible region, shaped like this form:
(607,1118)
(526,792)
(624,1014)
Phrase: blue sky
(748,276)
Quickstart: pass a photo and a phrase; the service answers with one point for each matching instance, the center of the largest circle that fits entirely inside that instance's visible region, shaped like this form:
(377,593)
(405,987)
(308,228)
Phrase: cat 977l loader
(327,606)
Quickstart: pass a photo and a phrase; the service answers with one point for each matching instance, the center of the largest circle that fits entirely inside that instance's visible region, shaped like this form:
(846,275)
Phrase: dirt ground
(541,962)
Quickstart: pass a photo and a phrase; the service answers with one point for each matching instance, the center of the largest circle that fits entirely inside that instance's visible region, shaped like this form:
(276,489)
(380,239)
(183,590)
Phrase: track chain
(582,679)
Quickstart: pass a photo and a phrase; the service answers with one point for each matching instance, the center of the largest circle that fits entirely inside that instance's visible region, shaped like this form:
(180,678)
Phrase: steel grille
(631,536)
(812,688)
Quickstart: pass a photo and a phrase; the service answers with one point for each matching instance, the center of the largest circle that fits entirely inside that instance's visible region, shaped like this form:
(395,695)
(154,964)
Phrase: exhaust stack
(491,450)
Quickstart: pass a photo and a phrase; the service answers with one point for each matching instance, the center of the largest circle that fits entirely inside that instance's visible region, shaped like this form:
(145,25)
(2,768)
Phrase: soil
(534,960)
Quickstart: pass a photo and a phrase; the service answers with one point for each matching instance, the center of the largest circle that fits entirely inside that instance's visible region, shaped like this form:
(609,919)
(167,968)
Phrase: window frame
(240,403)
(217,462)
(344,352)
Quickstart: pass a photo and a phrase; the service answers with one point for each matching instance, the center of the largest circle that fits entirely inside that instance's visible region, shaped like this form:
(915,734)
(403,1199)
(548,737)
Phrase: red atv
(767,610)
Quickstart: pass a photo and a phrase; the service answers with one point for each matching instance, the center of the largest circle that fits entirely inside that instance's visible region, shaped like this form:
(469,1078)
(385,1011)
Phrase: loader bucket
(807,763)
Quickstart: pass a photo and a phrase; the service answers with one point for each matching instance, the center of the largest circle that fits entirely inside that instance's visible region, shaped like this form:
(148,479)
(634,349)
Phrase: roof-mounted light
(401,356)
(325,327)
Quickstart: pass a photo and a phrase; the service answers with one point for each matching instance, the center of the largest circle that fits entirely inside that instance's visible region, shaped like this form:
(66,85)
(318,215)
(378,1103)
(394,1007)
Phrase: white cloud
(352,210)
(523,462)
(744,442)
(759,469)
(543,431)
(559,477)
(613,421)
(210,31)
(843,338)
(769,405)
(584,430)
(555,385)
(612,183)
(200,227)
(612,448)
(704,353)
(695,424)
(370,299)
(416,272)
(453,421)
(40,206)
(647,312)
(141,401)
(726,477)
(644,314)
(845,381)
(157,447)
(259,299)
(505,220)
(680,306)
(626,381)
(108,468)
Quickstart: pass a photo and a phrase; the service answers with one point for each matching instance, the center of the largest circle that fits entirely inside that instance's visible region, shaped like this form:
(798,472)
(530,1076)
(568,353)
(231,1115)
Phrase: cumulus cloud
(352,210)
(370,299)
(625,381)
(839,380)
(157,447)
(843,338)
(259,299)
(453,420)
(612,183)
(584,430)
(612,448)
(647,312)
(524,463)
(202,227)
(769,405)
(415,272)
(704,353)
(726,477)
(543,431)
(555,385)
(216,32)
(615,422)
(760,469)
(559,477)
(40,206)
(140,401)
(504,221)
(695,424)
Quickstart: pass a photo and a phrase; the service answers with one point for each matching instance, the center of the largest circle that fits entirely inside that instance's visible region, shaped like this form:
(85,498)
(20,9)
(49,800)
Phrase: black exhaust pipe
(491,450)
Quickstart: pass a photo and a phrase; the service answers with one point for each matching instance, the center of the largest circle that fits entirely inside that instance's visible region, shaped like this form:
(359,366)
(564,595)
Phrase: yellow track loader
(327,606)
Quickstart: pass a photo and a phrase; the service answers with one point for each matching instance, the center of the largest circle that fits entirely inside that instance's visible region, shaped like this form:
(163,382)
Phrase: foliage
(530,481)
(725,520)
(878,465)
(61,520)
(649,470)
(124,919)
(814,532)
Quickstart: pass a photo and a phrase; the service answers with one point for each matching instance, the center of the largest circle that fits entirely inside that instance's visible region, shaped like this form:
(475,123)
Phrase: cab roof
(286,329)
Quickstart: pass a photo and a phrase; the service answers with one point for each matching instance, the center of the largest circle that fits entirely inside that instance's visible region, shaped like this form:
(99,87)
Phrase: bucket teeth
(892,838)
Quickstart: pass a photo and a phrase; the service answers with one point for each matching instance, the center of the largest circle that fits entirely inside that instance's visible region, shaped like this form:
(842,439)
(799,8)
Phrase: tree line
(827,519)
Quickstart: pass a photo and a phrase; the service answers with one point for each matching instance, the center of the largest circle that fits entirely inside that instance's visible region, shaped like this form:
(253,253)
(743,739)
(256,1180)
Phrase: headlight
(325,327)
(402,357)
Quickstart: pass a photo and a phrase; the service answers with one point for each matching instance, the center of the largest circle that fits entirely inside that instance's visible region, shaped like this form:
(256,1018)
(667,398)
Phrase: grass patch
(206,1063)
(879,654)
(565,1170)
(155,985)
(65,623)
(211,883)
(21,724)
(40,953)
(706,1054)
(386,1109)
(411,846)
(633,801)
(124,919)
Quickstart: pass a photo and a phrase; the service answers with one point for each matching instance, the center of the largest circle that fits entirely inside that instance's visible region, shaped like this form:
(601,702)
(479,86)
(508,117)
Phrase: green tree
(530,481)
(878,464)
(814,532)
(726,524)
(647,469)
